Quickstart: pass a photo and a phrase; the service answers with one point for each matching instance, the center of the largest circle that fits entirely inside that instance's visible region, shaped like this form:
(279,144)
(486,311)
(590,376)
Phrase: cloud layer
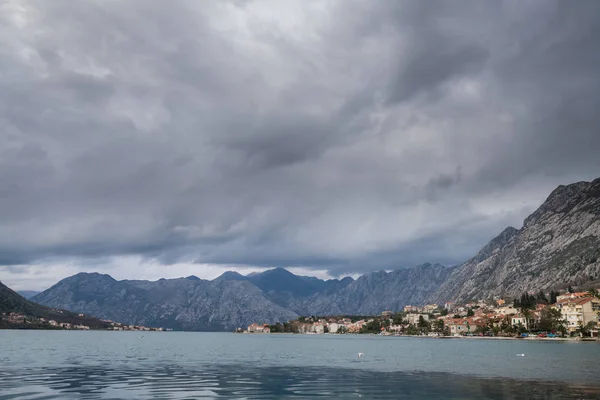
(344,136)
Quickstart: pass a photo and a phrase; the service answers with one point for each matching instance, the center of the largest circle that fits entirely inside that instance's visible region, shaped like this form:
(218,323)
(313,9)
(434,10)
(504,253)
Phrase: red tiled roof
(576,301)
(584,300)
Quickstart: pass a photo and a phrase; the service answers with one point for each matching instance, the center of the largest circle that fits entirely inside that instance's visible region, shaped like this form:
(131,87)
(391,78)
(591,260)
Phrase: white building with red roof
(579,311)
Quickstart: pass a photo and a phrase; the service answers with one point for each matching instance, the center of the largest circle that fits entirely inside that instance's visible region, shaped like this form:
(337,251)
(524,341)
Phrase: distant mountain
(284,288)
(182,304)
(558,245)
(11,301)
(28,293)
(231,276)
(280,280)
(233,300)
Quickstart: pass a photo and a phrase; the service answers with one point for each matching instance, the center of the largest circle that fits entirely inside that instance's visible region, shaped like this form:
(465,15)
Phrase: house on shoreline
(256,328)
(579,311)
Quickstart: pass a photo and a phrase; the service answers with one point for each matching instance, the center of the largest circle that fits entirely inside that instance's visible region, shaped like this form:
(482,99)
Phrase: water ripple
(249,382)
(107,365)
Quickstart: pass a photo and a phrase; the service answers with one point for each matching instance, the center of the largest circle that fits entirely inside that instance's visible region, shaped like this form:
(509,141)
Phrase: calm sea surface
(173,365)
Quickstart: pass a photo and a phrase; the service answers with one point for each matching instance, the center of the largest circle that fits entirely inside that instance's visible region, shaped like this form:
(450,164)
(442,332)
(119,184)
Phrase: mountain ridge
(558,244)
(178,303)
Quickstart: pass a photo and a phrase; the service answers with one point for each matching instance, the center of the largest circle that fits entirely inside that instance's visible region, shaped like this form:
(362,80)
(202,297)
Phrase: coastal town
(21,321)
(544,315)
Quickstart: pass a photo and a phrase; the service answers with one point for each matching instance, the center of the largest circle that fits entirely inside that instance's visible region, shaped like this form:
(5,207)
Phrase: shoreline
(546,339)
(566,339)
(541,339)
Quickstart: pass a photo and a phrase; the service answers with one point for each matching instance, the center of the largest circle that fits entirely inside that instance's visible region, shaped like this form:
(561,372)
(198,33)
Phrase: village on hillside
(545,315)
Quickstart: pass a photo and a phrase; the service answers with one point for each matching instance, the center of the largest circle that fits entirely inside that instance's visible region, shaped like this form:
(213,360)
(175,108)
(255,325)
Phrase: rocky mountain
(284,288)
(183,304)
(558,245)
(375,292)
(11,301)
(233,300)
(282,280)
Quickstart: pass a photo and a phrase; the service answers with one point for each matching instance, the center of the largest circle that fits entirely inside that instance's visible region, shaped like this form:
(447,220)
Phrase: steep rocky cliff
(558,245)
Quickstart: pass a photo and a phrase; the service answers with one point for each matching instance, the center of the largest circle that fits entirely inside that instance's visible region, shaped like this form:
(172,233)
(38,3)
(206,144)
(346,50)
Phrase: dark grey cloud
(346,136)
(436,48)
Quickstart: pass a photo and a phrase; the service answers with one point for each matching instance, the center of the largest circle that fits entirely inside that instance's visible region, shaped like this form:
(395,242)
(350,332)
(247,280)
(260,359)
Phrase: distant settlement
(541,316)
(14,320)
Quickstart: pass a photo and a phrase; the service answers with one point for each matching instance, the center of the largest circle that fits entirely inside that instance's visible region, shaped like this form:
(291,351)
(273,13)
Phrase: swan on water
(360,355)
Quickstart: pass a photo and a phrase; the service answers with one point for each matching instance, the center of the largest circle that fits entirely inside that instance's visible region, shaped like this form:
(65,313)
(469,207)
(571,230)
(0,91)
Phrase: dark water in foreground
(125,365)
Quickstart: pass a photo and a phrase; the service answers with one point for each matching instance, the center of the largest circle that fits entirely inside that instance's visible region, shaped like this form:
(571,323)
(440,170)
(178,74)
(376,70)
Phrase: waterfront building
(579,311)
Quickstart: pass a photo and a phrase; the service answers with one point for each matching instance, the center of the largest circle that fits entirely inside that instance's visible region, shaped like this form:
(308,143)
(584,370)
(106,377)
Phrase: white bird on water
(521,355)
(360,355)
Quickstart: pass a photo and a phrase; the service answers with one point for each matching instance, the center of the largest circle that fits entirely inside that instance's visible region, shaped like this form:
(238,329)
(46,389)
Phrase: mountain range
(558,245)
(183,304)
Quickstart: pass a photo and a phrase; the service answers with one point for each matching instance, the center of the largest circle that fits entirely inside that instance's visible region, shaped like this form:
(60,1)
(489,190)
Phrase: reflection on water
(247,381)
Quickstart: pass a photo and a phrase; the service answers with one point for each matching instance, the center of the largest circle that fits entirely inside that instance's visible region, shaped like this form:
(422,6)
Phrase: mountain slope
(11,301)
(185,303)
(558,245)
(375,292)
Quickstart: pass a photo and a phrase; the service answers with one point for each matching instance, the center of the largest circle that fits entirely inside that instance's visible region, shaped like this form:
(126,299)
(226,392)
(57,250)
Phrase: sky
(161,139)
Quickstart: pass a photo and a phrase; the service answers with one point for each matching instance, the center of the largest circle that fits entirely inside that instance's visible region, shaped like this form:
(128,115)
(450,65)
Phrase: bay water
(190,365)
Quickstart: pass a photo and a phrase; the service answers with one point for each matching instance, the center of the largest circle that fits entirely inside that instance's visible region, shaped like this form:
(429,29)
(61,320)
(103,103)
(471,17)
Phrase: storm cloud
(340,136)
